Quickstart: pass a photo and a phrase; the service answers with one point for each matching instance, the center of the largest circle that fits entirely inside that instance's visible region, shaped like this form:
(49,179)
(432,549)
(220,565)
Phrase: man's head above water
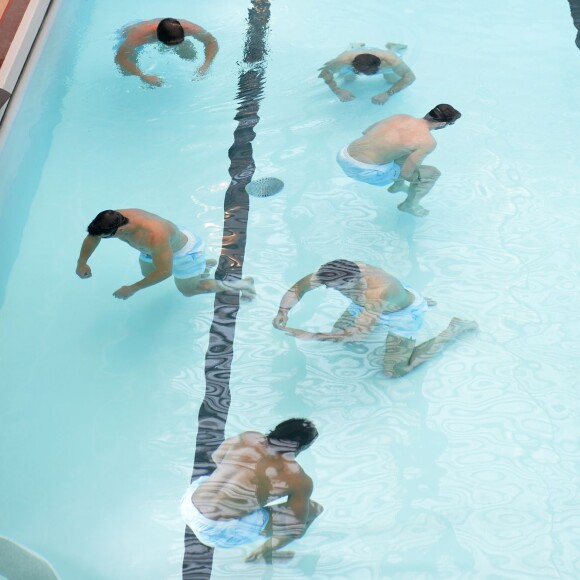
(170,31)
(367,64)
(443,114)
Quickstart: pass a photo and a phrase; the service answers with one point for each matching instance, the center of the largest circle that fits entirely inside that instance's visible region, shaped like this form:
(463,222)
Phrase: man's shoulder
(251,436)
(138,32)
(298,480)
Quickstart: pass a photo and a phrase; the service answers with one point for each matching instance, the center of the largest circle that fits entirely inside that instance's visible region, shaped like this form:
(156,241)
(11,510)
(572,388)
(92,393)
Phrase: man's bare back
(250,473)
(393,139)
(151,232)
(377,290)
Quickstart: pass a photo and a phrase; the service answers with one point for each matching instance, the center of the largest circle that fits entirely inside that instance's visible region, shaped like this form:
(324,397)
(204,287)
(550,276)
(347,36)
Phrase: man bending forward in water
(229,508)
(165,250)
(171,34)
(378,300)
(393,150)
(365,61)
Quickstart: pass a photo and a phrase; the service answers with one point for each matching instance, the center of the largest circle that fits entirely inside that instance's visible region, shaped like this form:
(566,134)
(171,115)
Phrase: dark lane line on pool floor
(198,558)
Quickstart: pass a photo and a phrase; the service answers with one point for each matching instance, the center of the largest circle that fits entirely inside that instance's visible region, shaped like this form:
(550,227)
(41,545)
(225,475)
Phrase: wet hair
(443,114)
(336,272)
(170,31)
(367,64)
(300,431)
(107,223)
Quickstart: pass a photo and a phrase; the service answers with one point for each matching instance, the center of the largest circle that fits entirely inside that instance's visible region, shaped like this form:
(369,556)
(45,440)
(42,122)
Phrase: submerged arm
(362,325)
(327,75)
(292,297)
(407,78)
(123,58)
(289,522)
(89,245)
(410,169)
(163,264)
(210,43)
(126,61)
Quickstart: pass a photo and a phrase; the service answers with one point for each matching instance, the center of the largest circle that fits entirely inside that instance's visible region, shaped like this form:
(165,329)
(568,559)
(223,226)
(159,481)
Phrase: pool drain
(265,187)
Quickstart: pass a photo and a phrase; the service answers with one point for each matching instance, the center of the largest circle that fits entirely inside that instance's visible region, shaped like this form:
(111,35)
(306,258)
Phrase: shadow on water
(198,558)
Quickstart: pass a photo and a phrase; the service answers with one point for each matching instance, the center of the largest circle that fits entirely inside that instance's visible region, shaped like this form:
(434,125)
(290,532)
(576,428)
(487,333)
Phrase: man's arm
(292,297)
(89,245)
(289,521)
(362,325)
(407,78)
(410,169)
(327,75)
(210,43)
(124,58)
(163,264)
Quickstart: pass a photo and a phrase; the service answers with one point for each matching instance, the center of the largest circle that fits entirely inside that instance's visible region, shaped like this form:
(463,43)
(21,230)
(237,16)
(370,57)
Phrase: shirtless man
(164,250)
(379,301)
(393,150)
(369,62)
(170,33)
(229,507)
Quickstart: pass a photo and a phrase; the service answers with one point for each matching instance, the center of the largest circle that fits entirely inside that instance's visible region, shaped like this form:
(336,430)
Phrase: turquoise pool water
(467,468)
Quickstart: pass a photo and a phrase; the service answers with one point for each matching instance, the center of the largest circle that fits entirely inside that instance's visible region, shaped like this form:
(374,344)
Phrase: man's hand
(262,552)
(281,319)
(201,72)
(84,271)
(124,292)
(152,80)
(344,95)
(381,98)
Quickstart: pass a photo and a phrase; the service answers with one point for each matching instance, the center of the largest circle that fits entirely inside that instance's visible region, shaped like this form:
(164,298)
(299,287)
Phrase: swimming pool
(463,469)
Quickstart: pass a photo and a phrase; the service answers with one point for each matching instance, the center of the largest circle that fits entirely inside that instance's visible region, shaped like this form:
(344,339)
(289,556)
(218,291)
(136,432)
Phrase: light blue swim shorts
(368,173)
(189,262)
(222,533)
(405,323)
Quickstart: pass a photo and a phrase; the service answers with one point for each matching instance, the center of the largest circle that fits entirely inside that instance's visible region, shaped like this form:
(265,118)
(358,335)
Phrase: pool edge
(21,48)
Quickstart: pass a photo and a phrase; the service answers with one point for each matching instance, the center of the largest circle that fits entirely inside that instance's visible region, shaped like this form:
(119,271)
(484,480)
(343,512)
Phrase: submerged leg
(428,175)
(399,360)
(193,286)
(209,264)
(399,185)
(396,47)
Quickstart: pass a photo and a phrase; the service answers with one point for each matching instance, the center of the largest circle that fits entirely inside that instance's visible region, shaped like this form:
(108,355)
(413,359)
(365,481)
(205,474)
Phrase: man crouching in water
(165,250)
(378,301)
(229,507)
(393,151)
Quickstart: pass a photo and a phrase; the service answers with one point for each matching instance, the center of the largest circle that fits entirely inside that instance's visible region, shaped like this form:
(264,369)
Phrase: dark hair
(367,64)
(337,272)
(107,223)
(443,114)
(170,31)
(300,431)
